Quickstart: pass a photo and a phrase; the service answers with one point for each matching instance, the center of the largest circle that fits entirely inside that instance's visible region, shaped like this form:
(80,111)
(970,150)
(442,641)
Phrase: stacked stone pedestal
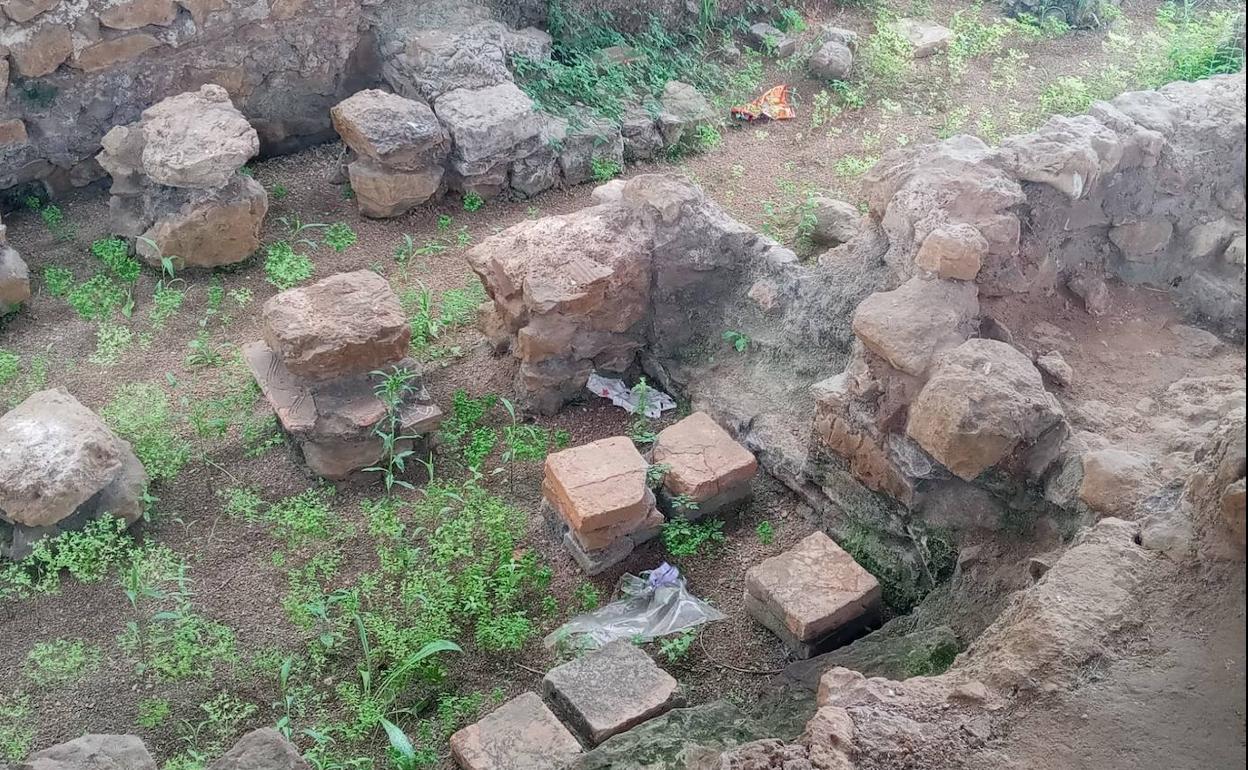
(176,187)
(399,151)
(815,597)
(318,366)
(598,501)
(14,276)
(706,471)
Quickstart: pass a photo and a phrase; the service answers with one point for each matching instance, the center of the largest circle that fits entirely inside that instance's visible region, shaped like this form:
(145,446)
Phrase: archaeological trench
(925,389)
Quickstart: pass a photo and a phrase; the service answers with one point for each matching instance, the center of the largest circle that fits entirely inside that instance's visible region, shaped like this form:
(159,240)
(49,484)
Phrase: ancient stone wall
(73,69)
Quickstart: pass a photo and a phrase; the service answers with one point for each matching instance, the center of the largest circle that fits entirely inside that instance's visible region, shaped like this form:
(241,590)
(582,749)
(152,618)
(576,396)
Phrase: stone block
(401,134)
(14,278)
(705,464)
(910,325)
(494,122)
(347,323)
(382,192)
(598,485)
(955,251)
(814,596)
(610,690)
(522,734)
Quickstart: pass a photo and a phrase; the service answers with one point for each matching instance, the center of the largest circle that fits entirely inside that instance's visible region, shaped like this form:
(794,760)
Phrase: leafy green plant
(339,236)
(640,430)
(139,412)
(392,388)
(97,298)
(166,302)
(604,169)
(684,538)
(586,597)
(676,648)
(278,191)
(87,555)
(10,366)
(473,201)
(766,532)
(17,727)
(58,280)
(284,267)
(111,341)
(60,662)
(152,712)
(739,342)
(115,254)
(884,58)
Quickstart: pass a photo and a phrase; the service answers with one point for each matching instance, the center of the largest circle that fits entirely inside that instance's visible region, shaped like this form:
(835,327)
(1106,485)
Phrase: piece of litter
(773,104)
(657,402)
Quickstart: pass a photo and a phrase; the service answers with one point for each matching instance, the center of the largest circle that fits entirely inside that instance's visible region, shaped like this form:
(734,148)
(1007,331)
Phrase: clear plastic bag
(650,606)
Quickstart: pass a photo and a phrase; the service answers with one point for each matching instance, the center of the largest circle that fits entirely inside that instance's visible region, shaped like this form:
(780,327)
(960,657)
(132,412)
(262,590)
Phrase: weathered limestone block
(833,61)
(813,596)
(522,734)
(219,228)
(589,139)
(133,14)
(909,326)
(682,110)
(835,221)
(114,51)
(263,749)
(382,192)
(60,468)
(955,251)
(37,51)
(14,276)
(489,124)
(926,38)
(1071,154)
(704,465)
(347,323)
(983,402)
(93,752)
(196,139)
(642,139)
(397,133)
(764,37)
(1116,481)
(610,690)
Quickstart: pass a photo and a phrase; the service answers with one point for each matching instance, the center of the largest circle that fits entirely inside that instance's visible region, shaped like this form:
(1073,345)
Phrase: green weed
(60,662)
(340,237)
(683,538)
(17,727)
(284,267)
(140,413)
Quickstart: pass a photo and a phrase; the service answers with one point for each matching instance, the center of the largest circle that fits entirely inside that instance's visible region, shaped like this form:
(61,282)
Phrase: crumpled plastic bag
(653,605)
(657,402)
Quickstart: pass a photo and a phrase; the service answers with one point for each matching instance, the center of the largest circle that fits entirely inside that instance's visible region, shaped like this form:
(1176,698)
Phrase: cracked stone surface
(611,690)
(704,459)
(522,734)
(811,590)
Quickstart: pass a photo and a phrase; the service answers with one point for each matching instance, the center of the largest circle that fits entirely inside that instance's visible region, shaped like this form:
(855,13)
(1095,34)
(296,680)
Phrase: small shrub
(683,538)
(284,267)
(766,532)
(152,712)
(1068,95)
(339,237)
(473,202)
(60,662)
(604,169)
(58,280)
(884,58)
(140,413)
(115,254)
(97,298)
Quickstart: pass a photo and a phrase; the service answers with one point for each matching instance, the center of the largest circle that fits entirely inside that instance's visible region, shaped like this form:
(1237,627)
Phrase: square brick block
(521,734)
(598,485)
(611,690)
(705,464)
(814,596)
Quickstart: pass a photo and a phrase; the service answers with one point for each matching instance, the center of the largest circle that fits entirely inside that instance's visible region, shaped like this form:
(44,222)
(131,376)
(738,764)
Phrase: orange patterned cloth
(773,104)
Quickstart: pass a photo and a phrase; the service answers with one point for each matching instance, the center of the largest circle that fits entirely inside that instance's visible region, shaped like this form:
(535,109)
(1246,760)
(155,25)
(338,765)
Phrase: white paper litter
(657,402)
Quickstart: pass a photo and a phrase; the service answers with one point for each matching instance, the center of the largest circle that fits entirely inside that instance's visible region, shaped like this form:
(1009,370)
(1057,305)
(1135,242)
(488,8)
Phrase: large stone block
(610,690)
(909,326)
(93,752)
(704,464)
(522,734)
(212,230)
(14,278)
(382,192)
(196,139)
(598,485)
(813,596)
(486,123)
(347,323)
(61,467)
(984,401)
(397,133)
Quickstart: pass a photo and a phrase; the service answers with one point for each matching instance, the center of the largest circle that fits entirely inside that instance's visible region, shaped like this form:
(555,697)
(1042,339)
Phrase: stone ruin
(61,468)
(14,276)
(80,69)
(884,385)
(263,749)
(176,186)
(325,350)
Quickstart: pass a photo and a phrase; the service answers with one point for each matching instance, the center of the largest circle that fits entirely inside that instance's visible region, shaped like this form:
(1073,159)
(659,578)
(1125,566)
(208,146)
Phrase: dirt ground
(756,171)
